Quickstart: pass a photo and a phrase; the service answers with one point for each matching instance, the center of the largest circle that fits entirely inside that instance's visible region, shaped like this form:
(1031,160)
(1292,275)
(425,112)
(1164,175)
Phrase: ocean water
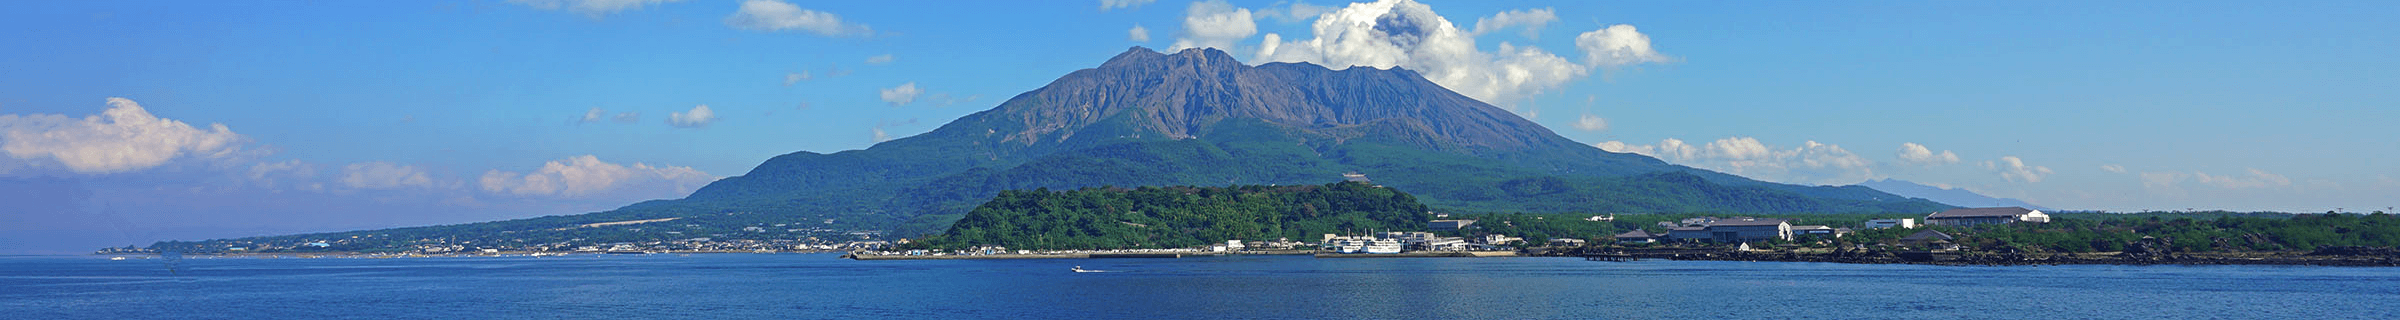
(821,286)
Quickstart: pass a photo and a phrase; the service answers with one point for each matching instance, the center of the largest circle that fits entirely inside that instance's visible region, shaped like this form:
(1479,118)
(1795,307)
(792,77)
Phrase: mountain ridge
(1197,117)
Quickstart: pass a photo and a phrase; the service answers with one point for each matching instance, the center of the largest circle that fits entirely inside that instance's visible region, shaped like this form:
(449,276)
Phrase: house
(1747,230)
(1359,178)
(1931,239)
(1449,225)
(1602,218)
(1636,236)
(1903,223)
(1819,231)
(1982,216)
(1497,240)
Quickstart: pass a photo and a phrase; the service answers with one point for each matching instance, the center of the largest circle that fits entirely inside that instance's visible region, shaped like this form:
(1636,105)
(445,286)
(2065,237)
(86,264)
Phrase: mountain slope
(1950,196)
(1198,117)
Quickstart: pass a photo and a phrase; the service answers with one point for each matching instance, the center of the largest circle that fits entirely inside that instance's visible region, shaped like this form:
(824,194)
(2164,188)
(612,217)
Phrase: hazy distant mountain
(1949,196)
(1198,117)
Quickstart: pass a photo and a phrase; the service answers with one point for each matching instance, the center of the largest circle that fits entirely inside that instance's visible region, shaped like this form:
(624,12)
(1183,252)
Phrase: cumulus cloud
(1214,24)
(629,117)
(125,137)
(1404,33)
(796,77)
(1532,20)
(773,15)
(880,59)
(2015,170)
(1617,46)
(384,175)
(2113,168)
(1917,154)
(880,136)
(593,115)
(1138,34)
(1591,122)
(1811,162)
(586,175)
(901,95)
(1106,5)
(699,116)
(594,8)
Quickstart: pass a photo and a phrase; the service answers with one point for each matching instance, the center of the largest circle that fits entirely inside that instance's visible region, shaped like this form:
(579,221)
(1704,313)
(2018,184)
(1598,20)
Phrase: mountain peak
(1141,57)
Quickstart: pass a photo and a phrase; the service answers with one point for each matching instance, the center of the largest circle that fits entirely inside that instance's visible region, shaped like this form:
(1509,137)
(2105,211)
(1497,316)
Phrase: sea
(823,286)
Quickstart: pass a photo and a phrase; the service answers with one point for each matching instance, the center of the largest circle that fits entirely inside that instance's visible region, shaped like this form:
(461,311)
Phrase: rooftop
(1980,212)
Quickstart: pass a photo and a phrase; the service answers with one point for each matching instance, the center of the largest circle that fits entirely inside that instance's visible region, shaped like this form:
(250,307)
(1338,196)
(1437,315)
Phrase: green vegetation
(1178,217)
(2189,234)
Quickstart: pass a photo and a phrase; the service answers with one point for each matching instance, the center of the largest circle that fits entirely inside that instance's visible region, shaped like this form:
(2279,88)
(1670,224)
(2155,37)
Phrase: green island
(1177,217)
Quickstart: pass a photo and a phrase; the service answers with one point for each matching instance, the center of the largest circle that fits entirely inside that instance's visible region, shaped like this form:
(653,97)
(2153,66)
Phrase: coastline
(1953,258)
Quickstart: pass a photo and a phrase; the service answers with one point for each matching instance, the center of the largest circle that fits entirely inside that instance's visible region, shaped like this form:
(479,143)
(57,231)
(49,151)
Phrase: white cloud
(629,117)
(123,138)
(699,116)
(1403,33)
(796,77)
(2113,168)
(1917,154)
(1292,12)
(1214,24)
(594,8)
(1591,122)
(901,95)
(773,15)
(1138,34)
(288,173)
(593,115)
(881,59)
(1533,20)
(1617,46)
(2015,170)
(384,175)
(1106,5)
(880,137)
(2254,179)
(1810,163)
(586,175)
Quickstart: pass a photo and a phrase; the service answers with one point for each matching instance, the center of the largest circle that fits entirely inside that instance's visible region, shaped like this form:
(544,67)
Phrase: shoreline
(1952,258)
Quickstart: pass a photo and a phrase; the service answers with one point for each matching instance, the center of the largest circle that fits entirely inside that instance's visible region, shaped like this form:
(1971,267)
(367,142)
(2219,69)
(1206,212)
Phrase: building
(1500,240)
(1687,234)
(1564,242)
(1903,223)
(1747,230)
(1449,225)
(1982,216)
(1602,218)
(1636,236)
(1359,178)
(1819,231)
(1930,239)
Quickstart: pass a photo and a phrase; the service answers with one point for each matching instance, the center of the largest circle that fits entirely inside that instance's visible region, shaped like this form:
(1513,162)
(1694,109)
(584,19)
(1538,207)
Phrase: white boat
(1080,269)
(1382,246)
(117,258)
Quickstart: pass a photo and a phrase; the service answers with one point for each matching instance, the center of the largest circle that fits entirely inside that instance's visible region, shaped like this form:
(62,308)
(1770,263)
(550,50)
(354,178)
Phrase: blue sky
(342,115)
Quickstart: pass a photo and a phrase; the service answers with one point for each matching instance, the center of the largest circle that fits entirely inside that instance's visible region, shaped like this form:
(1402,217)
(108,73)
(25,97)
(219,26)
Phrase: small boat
(1080,269)
(117,258)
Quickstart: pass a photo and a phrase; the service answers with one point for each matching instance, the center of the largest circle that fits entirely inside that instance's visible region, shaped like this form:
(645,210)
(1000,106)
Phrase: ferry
(1366,245)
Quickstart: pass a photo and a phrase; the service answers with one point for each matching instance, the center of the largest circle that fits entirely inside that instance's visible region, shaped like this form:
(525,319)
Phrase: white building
(1903,223)
(1982,216)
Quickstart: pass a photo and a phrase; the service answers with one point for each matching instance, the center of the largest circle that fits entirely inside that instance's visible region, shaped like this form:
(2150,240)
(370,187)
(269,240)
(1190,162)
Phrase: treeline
(2301,232)
(1177,217)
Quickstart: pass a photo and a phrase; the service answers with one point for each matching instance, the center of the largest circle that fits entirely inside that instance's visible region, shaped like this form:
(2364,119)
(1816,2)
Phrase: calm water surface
(820,286)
